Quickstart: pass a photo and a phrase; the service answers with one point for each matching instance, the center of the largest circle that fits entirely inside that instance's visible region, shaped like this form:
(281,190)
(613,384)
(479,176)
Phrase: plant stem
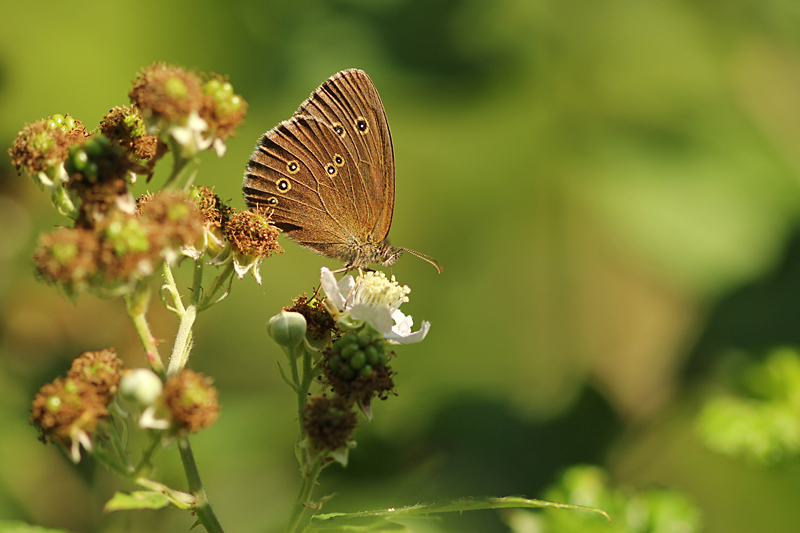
(203,509)
(137,303)
(310,465)
(180,166)
(183,340)
(296,520)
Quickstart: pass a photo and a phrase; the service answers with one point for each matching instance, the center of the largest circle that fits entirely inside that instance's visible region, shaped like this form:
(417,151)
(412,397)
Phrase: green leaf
(381,520)
(366,525)
(15,526)
(143,499)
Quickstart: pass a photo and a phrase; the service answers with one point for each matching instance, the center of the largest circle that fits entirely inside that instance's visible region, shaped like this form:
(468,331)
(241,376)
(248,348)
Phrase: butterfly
(326,175)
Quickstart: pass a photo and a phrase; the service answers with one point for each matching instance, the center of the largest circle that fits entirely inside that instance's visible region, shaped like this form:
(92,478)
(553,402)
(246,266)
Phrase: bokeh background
(612,187)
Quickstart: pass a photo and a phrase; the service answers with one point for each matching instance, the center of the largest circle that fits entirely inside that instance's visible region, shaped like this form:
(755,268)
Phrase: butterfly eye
(337,127)
(331,170)
(284,185)
(339,160)
(361,125)
(292,167)
(272,200)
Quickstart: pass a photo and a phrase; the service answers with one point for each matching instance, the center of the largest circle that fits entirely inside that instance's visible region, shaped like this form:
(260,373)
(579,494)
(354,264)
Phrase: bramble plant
(338,343)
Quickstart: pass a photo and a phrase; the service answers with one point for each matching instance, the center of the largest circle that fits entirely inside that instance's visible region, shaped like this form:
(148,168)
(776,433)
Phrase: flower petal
(401,331)
(332,287)
(379,318)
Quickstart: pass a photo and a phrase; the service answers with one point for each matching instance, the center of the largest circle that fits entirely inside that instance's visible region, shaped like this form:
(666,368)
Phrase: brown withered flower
(67,257)
(172,219)
(329,422)
(66,412)
(125,127)
(191,400)
(101,369)
(44,144)
(319,322)
(251,237)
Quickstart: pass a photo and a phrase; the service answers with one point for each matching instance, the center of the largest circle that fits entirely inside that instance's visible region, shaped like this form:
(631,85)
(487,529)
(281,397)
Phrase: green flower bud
(287,328)
(141,386)
(366,371)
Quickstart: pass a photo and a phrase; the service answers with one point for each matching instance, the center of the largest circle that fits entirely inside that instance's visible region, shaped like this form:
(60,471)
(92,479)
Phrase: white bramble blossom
(375,299)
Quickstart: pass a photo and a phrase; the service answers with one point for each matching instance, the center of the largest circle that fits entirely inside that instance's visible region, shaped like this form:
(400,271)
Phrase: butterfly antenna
(427,258)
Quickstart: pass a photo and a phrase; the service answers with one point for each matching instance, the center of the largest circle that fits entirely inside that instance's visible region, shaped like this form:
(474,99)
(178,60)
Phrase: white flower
(190,135)
(374,299)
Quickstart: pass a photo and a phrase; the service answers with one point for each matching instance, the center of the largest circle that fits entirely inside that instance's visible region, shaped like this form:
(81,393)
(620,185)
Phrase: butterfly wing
(328,172)
(349,100)
(301,172)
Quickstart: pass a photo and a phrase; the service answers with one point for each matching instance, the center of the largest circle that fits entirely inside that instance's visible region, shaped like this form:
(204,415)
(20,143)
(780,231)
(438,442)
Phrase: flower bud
(141,386)
(287,328)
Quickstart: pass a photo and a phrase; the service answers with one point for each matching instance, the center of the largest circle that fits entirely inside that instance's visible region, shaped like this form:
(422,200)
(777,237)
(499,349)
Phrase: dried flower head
(126,252)
(180,108)
(67,257)
(101,370)
(320,323)
(165,95)
(99,173)
(44,144)
(215,215)
(251,237)
(252,234)
(329,422)
(173,221)
(192,401)
(215,212)
(66,412)
(222,109)
(125,127)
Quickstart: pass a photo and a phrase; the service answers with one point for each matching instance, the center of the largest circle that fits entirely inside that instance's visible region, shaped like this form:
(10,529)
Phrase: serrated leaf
(15,526)
(358,525)
(367,519)
(143,499)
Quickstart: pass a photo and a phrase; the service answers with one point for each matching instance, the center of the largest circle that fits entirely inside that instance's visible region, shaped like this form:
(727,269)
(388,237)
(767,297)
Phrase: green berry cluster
(358,354)
(92,157)
(222,93)
(59,121)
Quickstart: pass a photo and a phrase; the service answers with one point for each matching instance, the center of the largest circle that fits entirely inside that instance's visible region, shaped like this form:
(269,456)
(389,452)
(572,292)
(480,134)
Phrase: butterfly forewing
(327,174)
(342,101)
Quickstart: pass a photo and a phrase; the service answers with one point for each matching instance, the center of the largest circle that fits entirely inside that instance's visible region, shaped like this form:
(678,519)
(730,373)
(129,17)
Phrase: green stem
(203,509)
(136,303)
(297,520)
(183,340)
(310,465)
(172,287)
(180,166)
(216,285)
(147,455)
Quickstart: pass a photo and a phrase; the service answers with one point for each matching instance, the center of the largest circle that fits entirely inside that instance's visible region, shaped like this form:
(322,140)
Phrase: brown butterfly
(327,174)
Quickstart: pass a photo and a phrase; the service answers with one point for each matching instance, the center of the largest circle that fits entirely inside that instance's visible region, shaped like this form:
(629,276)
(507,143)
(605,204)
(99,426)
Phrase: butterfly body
(327,173)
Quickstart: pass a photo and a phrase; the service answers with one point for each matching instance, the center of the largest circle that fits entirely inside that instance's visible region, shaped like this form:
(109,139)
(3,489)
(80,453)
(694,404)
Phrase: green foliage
(647,511)
(136,500)
(762,422)
(384,520)
(15,526)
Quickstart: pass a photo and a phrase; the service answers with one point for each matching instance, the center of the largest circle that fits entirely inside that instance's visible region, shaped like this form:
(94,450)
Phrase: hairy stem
(203,509)
(310,464)
(183,340)
(298,520)
(136,303)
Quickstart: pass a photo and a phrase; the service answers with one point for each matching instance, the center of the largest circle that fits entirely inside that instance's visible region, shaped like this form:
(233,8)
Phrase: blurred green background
(612,188)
